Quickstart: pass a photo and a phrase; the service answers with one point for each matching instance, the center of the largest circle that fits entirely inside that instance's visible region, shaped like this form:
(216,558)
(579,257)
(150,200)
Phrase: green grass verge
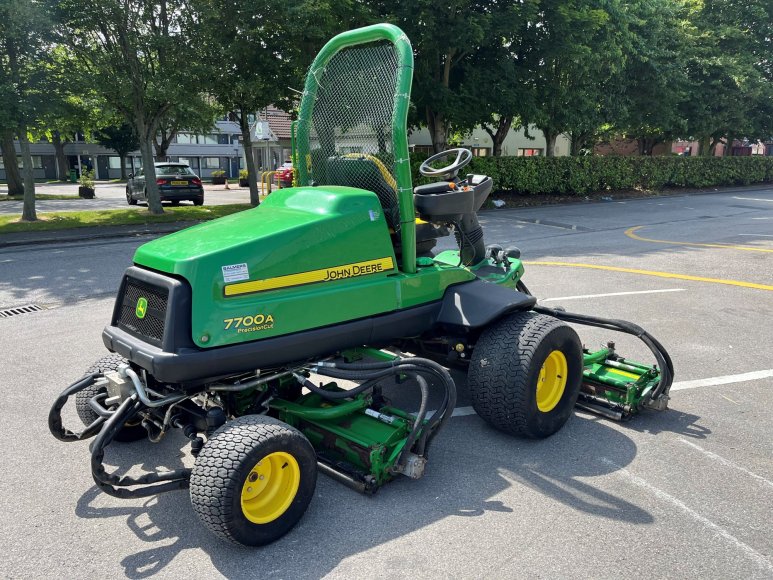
(114,217)
(40,196)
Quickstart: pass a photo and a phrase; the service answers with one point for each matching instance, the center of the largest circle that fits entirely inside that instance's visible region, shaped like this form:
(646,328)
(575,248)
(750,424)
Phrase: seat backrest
(366,172)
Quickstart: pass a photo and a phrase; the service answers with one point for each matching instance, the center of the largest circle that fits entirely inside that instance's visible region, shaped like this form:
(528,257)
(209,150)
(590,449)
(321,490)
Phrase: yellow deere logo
(142,307)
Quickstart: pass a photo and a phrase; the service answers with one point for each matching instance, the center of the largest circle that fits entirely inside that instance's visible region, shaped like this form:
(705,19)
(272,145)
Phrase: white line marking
(758,558)
(612,294)
(458,412)
(753,199)
(726,380)
(757,235)
(725,462)
(678,386)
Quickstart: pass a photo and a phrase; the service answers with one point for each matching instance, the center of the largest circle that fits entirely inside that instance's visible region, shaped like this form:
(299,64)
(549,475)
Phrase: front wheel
(129,198)
(525,374)
(253,480)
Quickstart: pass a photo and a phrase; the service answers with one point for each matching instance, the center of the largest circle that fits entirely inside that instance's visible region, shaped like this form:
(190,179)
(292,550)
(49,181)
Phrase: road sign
(262,131)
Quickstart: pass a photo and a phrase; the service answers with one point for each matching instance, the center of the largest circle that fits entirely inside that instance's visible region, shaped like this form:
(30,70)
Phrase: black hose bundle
(154,482)
(373,372)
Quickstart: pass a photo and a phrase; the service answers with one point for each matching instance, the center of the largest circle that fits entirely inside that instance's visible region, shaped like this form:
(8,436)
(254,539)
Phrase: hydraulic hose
(662,357)
(413,366)
(55,425)
(154,482)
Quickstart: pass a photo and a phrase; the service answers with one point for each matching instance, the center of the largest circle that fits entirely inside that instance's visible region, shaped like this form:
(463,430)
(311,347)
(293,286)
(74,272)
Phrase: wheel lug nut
(253,476)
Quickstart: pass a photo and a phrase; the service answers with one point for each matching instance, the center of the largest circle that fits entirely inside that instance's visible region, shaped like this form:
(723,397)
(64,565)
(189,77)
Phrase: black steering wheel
(463,157)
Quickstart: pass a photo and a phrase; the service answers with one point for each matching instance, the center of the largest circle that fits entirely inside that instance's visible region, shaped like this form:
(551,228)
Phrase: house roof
(279,122)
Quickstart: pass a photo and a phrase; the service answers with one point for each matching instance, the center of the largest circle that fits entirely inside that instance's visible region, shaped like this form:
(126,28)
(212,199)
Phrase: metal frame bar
(367,34)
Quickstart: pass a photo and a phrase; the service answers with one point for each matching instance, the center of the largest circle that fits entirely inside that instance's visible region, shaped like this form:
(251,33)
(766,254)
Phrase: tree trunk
(123,166)
(252,177)
(163,146)
(61,161)
(704,146)
(438,130)
(498,137)
(550,142)
(12,175)
(154,197)
(28,211)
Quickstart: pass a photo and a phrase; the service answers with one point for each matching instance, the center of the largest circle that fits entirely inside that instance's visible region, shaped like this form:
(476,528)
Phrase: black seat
(363,172)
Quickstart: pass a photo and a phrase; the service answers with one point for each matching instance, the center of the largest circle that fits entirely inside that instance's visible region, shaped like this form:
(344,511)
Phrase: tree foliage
(138,56)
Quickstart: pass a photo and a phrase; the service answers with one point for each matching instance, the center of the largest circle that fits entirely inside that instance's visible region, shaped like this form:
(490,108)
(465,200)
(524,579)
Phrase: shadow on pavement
(471,466)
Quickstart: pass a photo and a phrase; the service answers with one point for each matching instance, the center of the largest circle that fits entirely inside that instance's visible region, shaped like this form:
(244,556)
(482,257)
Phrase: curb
(89,234)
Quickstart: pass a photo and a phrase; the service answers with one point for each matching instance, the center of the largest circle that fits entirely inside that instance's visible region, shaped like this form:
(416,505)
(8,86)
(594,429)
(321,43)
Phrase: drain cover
(26,309)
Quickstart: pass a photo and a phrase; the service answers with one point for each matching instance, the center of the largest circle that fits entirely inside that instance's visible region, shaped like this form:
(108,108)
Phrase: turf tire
(223,466)
(505,368)
(87,416)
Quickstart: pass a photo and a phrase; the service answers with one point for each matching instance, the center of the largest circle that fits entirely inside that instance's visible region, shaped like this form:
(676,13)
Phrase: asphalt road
(113,196)
(686,493)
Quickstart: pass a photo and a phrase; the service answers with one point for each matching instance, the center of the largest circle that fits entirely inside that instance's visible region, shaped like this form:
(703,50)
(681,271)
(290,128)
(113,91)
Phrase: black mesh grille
(151,327)
(350,132)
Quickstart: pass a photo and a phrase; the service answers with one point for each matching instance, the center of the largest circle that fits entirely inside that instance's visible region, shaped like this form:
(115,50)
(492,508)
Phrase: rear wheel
(525,374)
(253,480)
(132,431)
(199,201)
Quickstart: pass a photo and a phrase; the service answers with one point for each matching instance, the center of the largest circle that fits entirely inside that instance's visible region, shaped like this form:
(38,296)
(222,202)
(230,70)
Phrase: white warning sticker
(235,273)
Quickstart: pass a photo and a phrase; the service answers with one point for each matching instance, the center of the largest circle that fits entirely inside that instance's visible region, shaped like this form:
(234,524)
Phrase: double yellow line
(631,233)
(656,273)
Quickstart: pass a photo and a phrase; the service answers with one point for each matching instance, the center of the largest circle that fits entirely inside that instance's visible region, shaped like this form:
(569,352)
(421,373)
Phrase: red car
(284,175)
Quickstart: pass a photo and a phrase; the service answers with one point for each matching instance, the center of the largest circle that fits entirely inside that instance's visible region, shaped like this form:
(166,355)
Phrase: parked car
(176,182)
(284,174)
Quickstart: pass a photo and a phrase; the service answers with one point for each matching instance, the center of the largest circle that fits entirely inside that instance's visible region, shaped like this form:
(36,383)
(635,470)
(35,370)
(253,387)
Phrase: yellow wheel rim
(552,381)
(270,487)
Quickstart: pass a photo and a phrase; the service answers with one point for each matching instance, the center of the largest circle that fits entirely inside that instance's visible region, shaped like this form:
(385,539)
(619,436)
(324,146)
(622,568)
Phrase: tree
(138,56)
(494,88)
(574,53)
(257,55)
(23,43)
(443,40)
(197,114)
(729,71)
(121,139)
(654,78)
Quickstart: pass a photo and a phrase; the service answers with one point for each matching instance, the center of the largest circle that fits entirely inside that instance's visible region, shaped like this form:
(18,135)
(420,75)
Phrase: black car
(176,182)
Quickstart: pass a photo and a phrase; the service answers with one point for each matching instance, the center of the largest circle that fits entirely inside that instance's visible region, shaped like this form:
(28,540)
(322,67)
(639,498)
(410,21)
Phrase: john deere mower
(267,337)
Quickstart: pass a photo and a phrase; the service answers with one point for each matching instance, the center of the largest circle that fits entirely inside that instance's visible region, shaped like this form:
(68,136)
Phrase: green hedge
(584,175)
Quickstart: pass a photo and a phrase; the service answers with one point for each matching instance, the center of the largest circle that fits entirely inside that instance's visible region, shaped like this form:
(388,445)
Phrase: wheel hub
(551,381)
(270,487)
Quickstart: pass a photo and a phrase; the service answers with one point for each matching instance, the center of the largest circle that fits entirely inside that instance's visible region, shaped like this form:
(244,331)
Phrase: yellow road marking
(657,274)
(630,232)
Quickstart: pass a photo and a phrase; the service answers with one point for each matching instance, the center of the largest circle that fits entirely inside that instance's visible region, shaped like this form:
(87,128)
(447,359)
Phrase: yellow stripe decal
(655,273)
(322,275)
(621,373)
(631,233)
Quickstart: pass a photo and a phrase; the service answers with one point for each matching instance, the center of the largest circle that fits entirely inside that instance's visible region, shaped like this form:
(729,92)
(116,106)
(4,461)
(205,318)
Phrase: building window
(37,162)
(481,151)
(236,138)
(208,139)
(210,162)
(529,152)
(186,139)
(222,139)
(114,162)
